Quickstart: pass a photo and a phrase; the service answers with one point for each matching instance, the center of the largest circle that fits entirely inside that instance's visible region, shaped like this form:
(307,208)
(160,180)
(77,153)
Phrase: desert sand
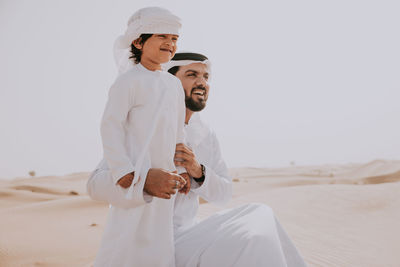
(337,215)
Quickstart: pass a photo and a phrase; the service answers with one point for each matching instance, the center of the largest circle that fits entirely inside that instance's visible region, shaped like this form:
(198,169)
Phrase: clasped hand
(160,183)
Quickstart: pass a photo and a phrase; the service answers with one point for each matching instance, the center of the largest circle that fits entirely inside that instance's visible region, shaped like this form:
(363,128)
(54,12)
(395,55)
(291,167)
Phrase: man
(248,235)
(202,156)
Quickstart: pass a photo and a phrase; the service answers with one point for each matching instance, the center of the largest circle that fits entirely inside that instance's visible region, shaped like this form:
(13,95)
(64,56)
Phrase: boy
(141,125)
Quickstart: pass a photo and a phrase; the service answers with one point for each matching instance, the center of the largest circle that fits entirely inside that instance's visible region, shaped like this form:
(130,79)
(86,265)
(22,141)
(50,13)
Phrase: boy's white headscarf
(146,20)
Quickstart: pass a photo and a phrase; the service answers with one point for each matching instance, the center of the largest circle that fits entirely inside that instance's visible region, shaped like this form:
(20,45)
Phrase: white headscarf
(174,63)
(184,58)
(146,20)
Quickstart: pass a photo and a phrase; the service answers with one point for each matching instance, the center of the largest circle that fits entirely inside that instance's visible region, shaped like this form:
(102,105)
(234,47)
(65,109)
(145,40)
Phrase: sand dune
(388,178)
(11,197)
(39,189)
(373,168)
(62,232)
(337,215)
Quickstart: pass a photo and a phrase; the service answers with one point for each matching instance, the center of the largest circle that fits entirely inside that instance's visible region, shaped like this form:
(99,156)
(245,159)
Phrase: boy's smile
(158,49)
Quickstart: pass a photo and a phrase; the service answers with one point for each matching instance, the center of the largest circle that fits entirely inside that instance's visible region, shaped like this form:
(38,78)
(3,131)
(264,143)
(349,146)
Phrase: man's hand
(186,188)
(185,157)
(163,184)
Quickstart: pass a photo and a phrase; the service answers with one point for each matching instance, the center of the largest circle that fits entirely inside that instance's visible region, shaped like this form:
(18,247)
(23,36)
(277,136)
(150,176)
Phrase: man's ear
(138,43)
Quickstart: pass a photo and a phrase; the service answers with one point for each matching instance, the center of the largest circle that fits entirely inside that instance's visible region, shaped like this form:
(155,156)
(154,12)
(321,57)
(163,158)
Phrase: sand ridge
(337,215)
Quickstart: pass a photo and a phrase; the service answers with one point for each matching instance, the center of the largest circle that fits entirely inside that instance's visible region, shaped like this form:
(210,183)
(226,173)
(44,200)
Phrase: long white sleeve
(113,129)
(181,135)
(101,187)
(217,186)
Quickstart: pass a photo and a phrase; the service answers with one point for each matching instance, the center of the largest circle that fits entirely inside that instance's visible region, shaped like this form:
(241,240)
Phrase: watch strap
(203,175)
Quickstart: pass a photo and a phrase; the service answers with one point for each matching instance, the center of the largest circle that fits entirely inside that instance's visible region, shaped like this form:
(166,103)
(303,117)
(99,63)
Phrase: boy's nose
(169,41)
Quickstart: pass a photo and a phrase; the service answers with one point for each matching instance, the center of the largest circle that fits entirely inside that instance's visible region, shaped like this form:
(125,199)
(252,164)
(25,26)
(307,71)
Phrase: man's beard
(194,105)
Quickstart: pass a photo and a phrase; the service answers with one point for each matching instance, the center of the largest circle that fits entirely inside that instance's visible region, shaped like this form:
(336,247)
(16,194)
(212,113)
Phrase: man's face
(159,48)
(194,78)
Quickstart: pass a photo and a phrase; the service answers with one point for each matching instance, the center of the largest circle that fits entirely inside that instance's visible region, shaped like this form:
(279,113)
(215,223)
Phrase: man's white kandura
(249,235)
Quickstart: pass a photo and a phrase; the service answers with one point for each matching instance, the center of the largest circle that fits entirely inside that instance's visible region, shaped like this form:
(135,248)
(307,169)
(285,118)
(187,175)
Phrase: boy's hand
(186,188)
(126,180)
(163,184)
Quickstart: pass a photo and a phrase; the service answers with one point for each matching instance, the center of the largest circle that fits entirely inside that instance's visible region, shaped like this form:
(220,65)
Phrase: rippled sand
(337,215)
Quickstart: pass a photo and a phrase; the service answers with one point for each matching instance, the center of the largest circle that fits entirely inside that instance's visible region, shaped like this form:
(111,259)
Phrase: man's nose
(201,81)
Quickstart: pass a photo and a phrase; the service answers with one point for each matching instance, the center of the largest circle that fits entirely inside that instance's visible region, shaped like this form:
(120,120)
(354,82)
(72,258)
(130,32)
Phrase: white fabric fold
(249,235)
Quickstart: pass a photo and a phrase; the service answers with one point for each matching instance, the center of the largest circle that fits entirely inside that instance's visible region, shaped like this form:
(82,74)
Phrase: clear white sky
(306,81)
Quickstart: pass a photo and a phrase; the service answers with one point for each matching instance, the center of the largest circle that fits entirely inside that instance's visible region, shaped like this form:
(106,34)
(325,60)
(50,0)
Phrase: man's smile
(200,93)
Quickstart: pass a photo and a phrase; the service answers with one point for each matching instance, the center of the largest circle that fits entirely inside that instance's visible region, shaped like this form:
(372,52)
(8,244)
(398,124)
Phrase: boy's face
(159,48)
